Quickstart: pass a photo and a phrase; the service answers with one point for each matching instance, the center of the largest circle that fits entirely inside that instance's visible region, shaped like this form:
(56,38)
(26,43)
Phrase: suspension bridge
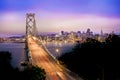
(40,56)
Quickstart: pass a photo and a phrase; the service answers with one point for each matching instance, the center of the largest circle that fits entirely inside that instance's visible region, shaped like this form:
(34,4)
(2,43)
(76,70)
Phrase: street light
(57,51)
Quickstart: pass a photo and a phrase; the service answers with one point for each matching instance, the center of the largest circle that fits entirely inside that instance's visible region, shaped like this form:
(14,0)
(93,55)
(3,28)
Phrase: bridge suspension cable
(39,55)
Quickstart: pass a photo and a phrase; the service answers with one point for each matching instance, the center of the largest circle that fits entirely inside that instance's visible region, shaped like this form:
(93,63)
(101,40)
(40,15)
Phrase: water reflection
(59,48)
(17,51)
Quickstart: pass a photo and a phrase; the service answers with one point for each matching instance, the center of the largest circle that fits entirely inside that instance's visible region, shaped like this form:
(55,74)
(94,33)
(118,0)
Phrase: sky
(58,15)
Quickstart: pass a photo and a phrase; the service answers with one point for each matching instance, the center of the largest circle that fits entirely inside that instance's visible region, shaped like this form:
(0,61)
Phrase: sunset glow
(57,15)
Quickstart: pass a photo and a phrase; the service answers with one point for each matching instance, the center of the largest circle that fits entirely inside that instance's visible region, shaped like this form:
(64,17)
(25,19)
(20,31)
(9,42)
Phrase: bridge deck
(42,59)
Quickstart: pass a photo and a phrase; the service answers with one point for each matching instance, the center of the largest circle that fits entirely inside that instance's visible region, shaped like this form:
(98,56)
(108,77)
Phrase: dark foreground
(94,60)
(7,72)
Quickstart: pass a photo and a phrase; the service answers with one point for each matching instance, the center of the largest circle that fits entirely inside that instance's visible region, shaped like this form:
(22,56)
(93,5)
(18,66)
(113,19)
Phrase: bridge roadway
(41,58)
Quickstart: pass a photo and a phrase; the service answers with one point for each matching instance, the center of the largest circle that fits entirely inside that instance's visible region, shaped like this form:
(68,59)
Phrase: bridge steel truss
(30,24)
(30,31)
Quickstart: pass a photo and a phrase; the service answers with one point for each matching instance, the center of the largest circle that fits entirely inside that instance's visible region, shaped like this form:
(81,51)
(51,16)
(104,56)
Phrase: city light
(57,50)
(60,37)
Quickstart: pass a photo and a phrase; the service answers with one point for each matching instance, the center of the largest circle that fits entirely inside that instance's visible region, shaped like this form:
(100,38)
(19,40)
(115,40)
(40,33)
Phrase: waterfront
(59,48)
(18,53)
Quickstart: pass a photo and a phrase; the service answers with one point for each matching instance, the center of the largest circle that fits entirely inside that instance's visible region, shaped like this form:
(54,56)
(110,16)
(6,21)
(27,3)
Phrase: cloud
(96,7)
(56,15)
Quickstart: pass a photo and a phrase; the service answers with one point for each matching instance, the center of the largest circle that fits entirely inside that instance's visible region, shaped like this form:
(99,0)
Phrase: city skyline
(57,15)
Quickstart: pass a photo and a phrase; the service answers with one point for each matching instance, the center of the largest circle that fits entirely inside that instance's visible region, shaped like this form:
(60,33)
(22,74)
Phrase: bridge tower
(30,31)
(30,24)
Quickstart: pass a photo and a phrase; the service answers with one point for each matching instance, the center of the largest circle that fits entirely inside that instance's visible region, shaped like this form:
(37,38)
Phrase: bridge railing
(73,74)
(66,70)
(28,52)
(39,41)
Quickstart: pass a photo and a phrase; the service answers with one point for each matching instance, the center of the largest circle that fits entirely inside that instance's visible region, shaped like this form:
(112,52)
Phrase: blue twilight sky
(57,15)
